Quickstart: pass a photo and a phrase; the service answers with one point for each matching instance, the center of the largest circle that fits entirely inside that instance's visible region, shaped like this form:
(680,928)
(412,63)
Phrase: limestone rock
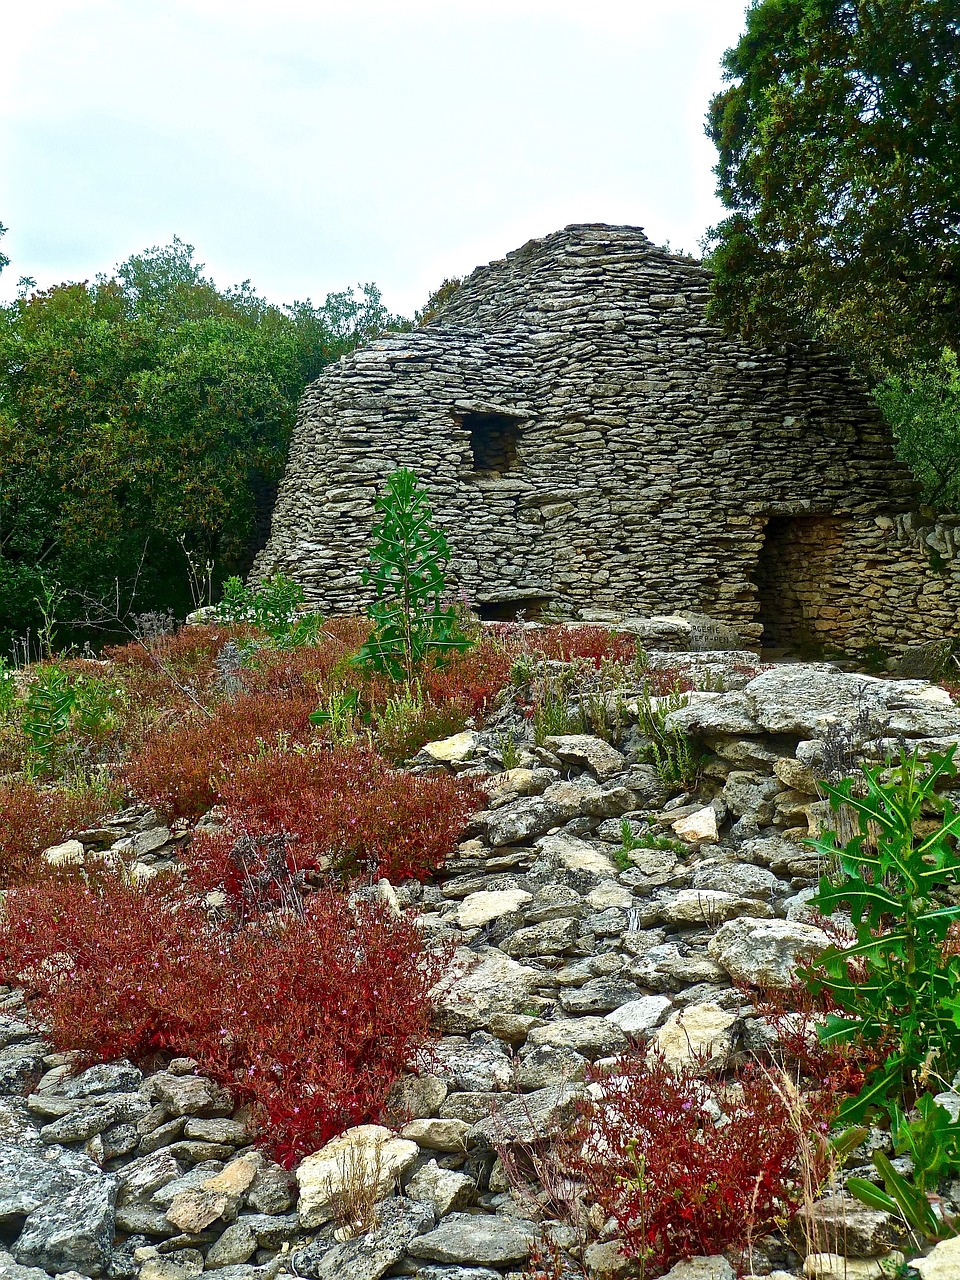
(196,1208)
(72,1232)
(368,1154)
(488,1240)
(236,1244)
(713,1268)
(765,952)
(444,1190)
(699,827)
(587,752)
(842,1221)
(436,1135)
(68,854)
(709,906)
(488,982)
(700,1031)
(834,1266)
(457,749)
(592,1037)
(522,820)
(370,1255)
(544,1113)
(571,854)
(478,909)
(639,1017)
(941,1263)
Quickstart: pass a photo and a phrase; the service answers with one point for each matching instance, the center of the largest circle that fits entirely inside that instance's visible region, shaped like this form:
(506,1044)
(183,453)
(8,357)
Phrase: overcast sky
(313,144)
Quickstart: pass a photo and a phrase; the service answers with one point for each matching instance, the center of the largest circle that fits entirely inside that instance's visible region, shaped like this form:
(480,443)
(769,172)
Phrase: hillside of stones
(572,944)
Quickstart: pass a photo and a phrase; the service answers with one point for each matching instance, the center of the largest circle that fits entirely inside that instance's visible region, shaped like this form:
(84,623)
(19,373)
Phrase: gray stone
(598,995)
(73,1232)
(236,1244)
(547,1066)
(588,752)
(522,820)
(474,1104)
(712,1268)
(444,1190)
(765,952)
(544,1113)
(638,1018)
(473,1065)
(370,1255)
(489,982)
(10,1269)
(485,1239)
(104,1078)
(190,1095)
(553,938)
(592,1037)
(840,1223)
(740,878)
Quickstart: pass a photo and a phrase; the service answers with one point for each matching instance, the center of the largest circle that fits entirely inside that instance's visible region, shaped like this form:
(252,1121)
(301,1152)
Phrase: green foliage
(837,135)
(434,304)
(922,405)
(144,411)
(902,1199)
(896,986)
(408,559)
(47,710)
(676,758)
(273,606)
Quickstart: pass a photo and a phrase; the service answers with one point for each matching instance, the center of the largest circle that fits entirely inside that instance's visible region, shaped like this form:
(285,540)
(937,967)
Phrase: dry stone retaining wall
(593,445)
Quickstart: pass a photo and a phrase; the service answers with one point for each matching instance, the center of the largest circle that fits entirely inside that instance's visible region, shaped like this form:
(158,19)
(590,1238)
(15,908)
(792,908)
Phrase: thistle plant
(408,559)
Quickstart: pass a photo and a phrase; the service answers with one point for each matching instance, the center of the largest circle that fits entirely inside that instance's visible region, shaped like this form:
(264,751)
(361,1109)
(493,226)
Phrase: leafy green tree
(838,135)
(922,404)
(147,412)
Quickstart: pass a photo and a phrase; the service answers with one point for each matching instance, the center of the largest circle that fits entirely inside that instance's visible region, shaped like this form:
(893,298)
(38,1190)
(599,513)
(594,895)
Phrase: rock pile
(570,945)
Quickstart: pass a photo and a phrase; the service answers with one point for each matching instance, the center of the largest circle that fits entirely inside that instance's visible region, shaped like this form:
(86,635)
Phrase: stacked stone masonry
(594,446)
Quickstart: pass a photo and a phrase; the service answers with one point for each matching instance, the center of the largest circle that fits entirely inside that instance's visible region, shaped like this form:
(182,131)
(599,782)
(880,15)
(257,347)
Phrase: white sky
(313,144)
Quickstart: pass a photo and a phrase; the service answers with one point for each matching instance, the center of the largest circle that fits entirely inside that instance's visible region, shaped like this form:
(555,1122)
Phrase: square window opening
(493,440)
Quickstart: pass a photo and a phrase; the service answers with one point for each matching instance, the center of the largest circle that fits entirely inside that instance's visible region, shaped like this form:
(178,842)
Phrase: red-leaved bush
(309,1017)
(585,642)
(678,1182)
(342,809)
(33,817)
(178,767)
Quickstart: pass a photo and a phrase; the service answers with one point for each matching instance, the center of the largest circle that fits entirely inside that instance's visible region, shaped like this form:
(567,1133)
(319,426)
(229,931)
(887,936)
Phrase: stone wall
(642,451)
(855,583)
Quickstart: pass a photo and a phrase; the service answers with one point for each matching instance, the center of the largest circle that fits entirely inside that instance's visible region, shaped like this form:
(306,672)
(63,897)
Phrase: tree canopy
(144,414)
(838,136)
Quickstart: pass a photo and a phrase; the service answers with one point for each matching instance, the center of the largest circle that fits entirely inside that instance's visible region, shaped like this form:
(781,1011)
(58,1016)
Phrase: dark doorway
(795,565)
(507,610)
(493,440)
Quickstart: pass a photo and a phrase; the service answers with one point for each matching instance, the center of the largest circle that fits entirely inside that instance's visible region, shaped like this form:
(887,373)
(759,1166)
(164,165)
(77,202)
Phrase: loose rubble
(568,949)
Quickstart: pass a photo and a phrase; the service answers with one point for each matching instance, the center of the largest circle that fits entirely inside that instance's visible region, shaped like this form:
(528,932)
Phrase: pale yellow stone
(236,1177)
(369,1156)
(456,749)
(68,854)
(700,1030)
(478,909)
(942,1263)
(699,827)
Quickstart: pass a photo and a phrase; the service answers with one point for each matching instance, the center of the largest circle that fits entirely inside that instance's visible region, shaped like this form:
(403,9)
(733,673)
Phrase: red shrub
(311,1019)
(32,818)
(308,670)
(839,1069)
(679,1184)
(472,680)
(586,641)
(343,808)
(179,767)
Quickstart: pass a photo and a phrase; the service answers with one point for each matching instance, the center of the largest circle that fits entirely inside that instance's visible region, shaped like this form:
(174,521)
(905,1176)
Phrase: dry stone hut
(593,446)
